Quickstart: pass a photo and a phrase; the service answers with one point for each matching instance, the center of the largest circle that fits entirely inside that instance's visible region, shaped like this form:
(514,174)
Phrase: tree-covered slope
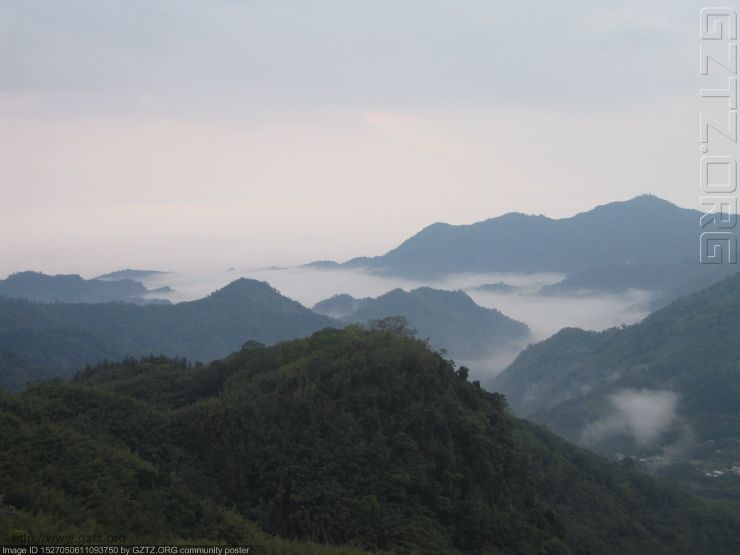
(450,319)
(40,340)
(666,389)
(349,437)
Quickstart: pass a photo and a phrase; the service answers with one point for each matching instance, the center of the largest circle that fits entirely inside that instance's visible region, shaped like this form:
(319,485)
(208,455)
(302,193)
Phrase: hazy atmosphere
(266,133)
(352,277)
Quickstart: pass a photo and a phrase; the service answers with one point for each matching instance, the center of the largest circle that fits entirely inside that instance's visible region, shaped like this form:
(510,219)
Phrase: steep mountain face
(639,243)
(450,319)
(349,437)
(666,390)
(40,287)
(52,340)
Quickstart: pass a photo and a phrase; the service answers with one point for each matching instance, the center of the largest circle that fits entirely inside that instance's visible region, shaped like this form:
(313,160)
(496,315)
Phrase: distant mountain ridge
(450,319)
(340,306)
(637,243)
(129,273)
(47,340)
(37,286)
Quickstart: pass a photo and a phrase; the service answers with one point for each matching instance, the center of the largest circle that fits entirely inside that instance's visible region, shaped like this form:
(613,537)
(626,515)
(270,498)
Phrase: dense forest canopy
(350,437)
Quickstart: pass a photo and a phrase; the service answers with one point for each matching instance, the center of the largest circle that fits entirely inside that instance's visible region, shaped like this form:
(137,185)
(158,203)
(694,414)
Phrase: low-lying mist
(544,314)
(643,414)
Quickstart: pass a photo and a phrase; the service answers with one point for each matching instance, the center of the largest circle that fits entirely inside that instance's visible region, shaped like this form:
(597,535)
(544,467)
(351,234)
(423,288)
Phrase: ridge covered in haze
(640,243)
(37,286)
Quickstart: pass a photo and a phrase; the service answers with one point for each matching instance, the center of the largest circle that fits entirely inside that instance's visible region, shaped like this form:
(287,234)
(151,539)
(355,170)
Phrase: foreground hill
(450,319)
(349,437)
(603,249)
(36,286)
(666,390)
(54,340)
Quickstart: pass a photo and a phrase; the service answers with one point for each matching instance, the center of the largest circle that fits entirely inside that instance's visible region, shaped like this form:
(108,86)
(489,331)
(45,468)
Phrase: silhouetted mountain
(498,287)
(643,242)
(669,280)
(36,286)
(44,340)
(164,289)
(450,319)
(339,306)
(349,437)
(130,274)
(666,390)
(322,264)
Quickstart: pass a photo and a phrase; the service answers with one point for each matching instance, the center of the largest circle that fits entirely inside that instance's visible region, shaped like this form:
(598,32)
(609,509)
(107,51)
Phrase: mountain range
(645,242)
(129,273)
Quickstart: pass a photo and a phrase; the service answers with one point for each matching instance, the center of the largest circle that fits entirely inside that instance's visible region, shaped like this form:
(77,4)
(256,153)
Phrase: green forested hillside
(42,340)
(666,390)
(350,437)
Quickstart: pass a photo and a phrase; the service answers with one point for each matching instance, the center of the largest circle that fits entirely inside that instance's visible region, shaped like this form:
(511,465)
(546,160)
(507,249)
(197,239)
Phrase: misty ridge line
(521,296)
(639,285)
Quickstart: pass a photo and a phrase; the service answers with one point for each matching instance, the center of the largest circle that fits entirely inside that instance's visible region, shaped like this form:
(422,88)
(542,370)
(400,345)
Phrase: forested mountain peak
(349,436)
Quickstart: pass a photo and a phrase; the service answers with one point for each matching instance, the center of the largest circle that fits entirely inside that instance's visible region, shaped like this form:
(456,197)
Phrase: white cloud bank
(643,414)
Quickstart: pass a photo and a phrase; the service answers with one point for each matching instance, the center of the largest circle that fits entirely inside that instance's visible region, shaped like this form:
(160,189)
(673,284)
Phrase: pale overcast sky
(180,134)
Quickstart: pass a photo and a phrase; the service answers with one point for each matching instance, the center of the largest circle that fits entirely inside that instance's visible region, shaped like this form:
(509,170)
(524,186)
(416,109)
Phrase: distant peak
(32,274)
(244,284)
(644,200)
(649,199)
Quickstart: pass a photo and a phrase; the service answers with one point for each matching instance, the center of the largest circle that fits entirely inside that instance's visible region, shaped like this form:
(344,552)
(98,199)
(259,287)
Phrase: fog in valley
(544,314)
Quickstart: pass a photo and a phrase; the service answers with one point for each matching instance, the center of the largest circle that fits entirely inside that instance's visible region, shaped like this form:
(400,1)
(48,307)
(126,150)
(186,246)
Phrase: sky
(186,134)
